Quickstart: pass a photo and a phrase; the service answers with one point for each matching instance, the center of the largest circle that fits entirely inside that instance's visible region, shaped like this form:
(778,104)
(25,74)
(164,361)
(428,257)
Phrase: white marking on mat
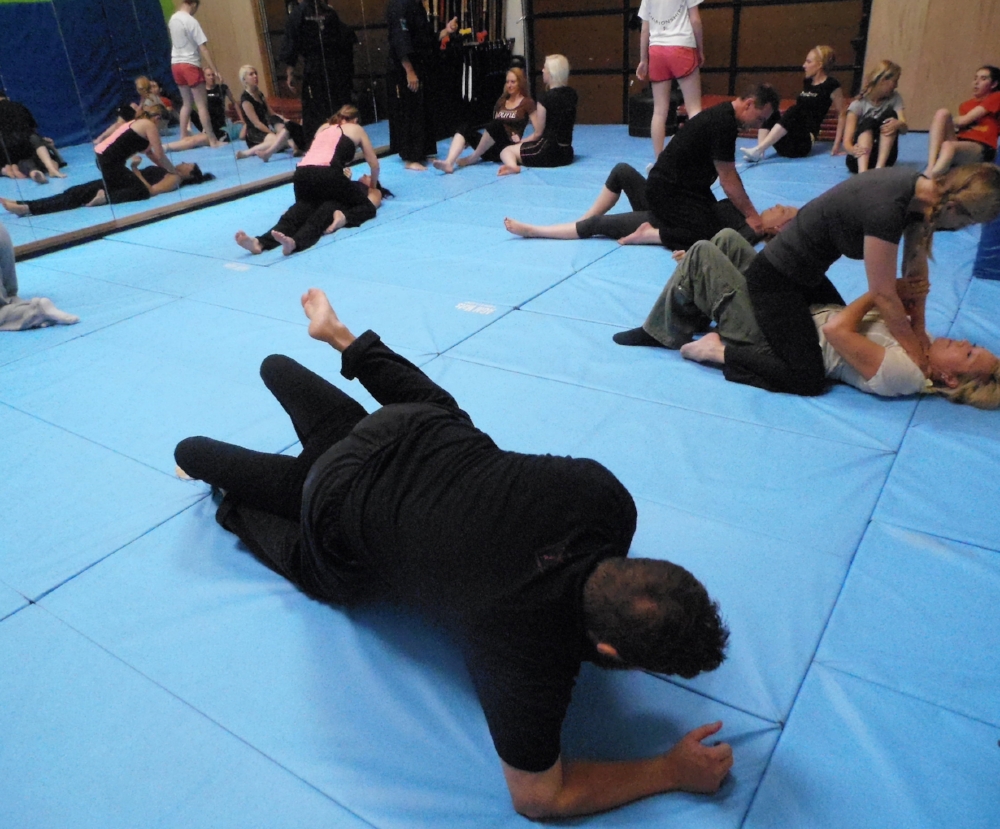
(236,266)
(476,308)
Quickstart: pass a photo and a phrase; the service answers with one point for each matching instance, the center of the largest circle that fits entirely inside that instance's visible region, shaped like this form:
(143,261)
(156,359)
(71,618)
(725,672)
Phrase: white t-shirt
(186,36)
(898,374)
(669,23)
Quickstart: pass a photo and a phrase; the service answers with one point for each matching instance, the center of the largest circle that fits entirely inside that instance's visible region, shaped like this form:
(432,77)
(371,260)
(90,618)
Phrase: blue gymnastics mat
(161,676)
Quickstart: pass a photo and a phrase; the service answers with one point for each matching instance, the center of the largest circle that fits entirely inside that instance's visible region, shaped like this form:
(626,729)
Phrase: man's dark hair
(763,94)
(993,70)
(656,615)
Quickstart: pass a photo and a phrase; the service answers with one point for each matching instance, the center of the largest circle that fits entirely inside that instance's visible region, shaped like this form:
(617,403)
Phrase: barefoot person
(864,218)
(17,314)
(970,136)
(325,198)
(189,51)
(634,228)
(415,504)
(266,132)
(679,187)
(512,113)
(709,287)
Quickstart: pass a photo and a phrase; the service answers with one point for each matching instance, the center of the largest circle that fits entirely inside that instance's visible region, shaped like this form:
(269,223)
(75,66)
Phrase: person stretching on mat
(708,286)
(511,114)
(522,557)
(972,135)
(156,180)
(325,199)
(679,187)
(862,218)
(635,228)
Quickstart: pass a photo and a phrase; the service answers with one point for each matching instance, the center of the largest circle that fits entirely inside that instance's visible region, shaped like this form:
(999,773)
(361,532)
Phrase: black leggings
(798,140)
(319,193)
(781,307)
(874,125)
(72,197)
(622,178)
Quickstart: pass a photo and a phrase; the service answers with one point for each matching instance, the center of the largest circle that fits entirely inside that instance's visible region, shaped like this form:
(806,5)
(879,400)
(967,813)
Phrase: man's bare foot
(518,228)
(99,200)
(287,242)
(57,173)
(645,234)
(244,153)
(443,166)
(14,207)
(247,242)
(38,177)
(324,324)
(416,166)
(339,220)
(465,162)
(709,349)
(507,170)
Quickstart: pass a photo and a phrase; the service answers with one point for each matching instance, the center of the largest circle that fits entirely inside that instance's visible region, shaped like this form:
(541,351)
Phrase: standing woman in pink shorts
(670,47)
(186,56)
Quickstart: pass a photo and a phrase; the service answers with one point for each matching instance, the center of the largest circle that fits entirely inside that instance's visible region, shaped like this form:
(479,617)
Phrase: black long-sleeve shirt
(420,506)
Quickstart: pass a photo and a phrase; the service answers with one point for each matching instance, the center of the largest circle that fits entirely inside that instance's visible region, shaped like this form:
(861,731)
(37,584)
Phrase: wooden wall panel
(235,37)
(939,44)
(718,32)
(783,35)
(583,40)
(600,98)
(546,6)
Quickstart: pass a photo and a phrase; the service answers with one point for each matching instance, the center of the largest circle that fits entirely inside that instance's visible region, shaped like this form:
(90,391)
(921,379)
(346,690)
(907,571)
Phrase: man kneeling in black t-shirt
(522,557)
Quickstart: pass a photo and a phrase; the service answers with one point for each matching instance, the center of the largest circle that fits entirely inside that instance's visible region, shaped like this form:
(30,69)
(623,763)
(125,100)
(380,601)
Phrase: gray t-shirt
(836,223)
(898,375)
(863,108)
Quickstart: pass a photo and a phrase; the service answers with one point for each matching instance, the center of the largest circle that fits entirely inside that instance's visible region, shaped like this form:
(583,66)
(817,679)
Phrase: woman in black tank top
(141,135)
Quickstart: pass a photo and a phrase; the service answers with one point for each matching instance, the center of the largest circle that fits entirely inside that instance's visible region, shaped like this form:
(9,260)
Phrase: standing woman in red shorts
(186,56)
(670,47)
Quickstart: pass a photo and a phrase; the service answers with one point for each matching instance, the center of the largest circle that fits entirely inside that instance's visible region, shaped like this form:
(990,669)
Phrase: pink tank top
(323,146)
(107,142)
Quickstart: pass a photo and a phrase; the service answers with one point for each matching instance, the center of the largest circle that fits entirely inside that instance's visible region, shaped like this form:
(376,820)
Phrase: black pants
(263,503)
(411,119)
(875,126)
(319,193)
(781,306)
(496,131)
(798,141)
(72,197)
(546,153)
(682,216)
(622,178)
(120,183)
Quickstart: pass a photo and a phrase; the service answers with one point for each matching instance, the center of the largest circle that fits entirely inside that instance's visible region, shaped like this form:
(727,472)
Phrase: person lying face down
(523,558)
(708,286)
(639,226)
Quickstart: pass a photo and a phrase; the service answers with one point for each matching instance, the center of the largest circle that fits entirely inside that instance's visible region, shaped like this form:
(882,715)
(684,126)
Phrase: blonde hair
(151,110)
(827,57)
(981,392)
(245,70)
(143,86)
(558,68)
(883,69)
(972,189)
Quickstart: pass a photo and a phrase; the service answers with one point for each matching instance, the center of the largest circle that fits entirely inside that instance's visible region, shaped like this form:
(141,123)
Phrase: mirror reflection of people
(708,287)
(17,314)
(634,228)
(140,135)
(411,80)
(266,132)
(325,198)
(552,143)
(971,135)
(522,558)
(315,33)
(189,53)
(154,179)
(25,153)
(218,94)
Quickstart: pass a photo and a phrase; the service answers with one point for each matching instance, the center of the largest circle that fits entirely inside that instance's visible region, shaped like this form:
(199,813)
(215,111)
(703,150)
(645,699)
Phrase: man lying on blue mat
(523,557)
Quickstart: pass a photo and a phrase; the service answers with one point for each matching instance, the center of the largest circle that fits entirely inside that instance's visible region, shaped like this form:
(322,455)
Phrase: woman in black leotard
(138,136)
(325,198)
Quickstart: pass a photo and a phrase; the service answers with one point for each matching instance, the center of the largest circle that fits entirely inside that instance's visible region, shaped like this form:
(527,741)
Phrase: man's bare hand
(697,767)
(677,255)
(756,224)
